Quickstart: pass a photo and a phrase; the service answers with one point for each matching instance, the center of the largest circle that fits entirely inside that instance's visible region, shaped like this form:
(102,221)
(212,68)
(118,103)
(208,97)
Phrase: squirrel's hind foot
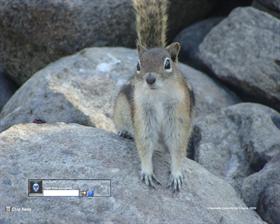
(175,182)
(125,134)
(150,180)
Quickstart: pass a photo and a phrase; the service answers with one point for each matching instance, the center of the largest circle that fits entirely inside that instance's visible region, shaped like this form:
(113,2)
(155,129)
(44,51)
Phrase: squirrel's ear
(140,48)
(174,50)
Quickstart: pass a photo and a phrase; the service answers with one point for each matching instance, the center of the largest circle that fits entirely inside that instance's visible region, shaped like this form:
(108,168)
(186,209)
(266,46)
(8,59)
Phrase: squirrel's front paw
(175,182)
(149,179)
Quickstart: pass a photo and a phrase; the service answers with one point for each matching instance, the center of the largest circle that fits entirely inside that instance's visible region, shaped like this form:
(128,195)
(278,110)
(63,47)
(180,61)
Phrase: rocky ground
(94,152)
(56,122)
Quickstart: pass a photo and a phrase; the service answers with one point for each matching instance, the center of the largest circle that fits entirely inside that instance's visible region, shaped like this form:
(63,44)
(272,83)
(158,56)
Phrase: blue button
(90,194)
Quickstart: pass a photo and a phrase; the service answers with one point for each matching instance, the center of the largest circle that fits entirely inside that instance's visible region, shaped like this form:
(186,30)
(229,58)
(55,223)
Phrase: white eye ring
(138,67)
(167,65)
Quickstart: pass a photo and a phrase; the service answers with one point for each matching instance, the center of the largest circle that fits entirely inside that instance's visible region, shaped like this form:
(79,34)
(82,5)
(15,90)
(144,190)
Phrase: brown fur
(151,22)
(157,114)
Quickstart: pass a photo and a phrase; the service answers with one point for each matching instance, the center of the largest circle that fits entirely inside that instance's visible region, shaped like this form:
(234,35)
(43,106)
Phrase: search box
(61,193)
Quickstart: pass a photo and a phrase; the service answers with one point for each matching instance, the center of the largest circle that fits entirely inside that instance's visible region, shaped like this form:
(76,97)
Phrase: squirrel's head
(155,65)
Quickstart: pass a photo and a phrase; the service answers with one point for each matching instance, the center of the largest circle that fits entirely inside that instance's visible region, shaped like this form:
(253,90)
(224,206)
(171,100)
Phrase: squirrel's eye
(138,67)
(167,65)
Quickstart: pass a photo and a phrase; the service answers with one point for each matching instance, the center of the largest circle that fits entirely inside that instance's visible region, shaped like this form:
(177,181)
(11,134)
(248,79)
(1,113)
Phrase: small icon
(90,194)
(8,209)
(35,187)
(83,193)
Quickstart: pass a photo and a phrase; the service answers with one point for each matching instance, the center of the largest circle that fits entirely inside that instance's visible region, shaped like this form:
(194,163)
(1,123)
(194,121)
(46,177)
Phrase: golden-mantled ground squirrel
(155,107)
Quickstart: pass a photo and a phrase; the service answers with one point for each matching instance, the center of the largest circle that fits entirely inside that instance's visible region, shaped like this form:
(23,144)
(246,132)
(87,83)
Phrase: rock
(262,190)
(271,4)
(210,96)
(74,151)
(7,88)
(75,89)
(190,39)
(51,29)
(237,141)
(269,204)
(267,176)
(179,19)
(82,88)
(258,5)
(242,52)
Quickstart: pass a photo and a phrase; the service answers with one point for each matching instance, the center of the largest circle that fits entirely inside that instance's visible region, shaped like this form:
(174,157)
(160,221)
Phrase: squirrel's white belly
(157,105)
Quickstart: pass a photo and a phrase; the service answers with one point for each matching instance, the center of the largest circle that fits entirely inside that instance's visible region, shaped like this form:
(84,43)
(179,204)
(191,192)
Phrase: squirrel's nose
(150,79)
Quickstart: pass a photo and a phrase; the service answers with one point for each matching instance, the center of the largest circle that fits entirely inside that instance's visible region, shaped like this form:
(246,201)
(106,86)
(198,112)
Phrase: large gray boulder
(262,190)
(191,37)
(243,51)
(51,29)
(74,151)
(82,88)
(237,141)
(210,95)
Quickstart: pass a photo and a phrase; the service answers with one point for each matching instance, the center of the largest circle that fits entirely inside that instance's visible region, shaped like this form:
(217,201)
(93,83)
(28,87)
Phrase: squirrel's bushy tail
(151,22)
